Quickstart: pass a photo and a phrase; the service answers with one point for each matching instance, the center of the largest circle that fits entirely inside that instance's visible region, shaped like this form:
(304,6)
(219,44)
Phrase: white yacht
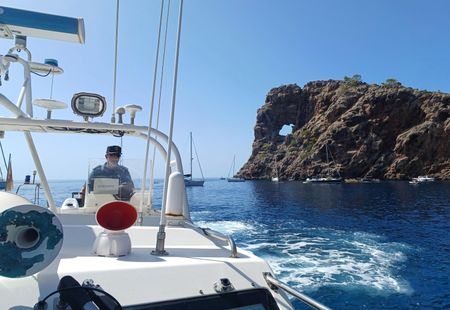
(424,178)
(323,180)
(421,179)
(111,253)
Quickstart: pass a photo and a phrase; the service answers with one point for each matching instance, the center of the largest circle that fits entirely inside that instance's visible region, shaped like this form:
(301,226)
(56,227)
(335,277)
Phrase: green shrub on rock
(391,82)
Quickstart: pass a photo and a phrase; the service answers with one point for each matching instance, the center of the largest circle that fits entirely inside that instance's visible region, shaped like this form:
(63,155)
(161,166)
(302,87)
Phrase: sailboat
(231,177)
(113,253)
(327,178)
(276,178)
(188,180)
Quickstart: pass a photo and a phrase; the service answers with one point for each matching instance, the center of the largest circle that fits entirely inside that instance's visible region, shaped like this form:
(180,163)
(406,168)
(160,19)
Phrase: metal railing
(215,234)
(37,188)
(275,284)
(220,236)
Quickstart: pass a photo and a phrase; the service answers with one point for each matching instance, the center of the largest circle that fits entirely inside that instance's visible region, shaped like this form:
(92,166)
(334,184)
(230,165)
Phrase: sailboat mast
(328,161)
(190,150)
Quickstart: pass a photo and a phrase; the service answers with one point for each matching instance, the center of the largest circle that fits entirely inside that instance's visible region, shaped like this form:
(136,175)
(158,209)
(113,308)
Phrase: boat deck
(193,265)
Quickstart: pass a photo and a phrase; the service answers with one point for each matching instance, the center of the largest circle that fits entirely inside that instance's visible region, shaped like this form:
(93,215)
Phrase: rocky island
(352,129)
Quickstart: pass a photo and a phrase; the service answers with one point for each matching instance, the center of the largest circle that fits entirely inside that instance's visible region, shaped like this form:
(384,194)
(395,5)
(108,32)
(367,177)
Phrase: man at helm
(112,169)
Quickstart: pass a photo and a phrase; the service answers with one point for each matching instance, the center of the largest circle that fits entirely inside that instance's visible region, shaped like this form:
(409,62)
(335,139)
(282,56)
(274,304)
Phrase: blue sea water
(351,246)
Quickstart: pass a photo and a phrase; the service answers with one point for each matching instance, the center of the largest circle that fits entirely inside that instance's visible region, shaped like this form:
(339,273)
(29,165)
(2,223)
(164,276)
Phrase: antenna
(15,22)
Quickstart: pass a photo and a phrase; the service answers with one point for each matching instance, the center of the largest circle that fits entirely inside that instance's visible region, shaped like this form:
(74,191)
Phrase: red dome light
(116,215)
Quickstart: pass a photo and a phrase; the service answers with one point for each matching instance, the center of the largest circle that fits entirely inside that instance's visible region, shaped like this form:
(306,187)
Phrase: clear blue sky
(232,53)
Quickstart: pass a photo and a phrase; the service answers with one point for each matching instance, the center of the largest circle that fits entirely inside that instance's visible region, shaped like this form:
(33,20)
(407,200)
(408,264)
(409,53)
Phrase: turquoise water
(351,246)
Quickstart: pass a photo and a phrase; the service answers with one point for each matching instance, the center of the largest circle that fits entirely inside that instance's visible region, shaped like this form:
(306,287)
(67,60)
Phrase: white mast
(234,163)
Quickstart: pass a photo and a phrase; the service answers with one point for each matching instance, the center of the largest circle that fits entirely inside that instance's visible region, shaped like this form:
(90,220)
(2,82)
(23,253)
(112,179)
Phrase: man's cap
(114,149)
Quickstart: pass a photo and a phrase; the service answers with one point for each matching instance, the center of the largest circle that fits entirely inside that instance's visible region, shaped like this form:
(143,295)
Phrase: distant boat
(188,180)
(328,178)
(425,179)
(323,180)
(422,179)
(362,180)
(369,180)
(352,181)
(231,177)
(235,180)
(276,178)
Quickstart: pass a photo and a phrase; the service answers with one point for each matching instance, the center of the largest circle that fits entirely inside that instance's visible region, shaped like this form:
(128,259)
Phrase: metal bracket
(223,285)
(270,284)
(5,32)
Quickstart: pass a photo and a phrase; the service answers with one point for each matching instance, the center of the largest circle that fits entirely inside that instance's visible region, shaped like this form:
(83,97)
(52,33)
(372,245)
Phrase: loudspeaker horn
(31,236)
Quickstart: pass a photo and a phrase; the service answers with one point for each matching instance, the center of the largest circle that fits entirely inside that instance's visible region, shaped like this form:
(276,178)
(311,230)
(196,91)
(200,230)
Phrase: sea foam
(319,257)
(227,227)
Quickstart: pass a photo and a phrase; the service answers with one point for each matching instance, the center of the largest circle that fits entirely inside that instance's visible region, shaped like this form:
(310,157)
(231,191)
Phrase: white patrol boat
(103,252)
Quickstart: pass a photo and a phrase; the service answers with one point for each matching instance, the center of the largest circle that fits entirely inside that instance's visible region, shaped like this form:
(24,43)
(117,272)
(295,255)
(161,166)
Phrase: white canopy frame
(23,123)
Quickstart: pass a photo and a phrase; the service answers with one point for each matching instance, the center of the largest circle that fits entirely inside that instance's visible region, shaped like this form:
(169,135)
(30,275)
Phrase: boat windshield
(120,181)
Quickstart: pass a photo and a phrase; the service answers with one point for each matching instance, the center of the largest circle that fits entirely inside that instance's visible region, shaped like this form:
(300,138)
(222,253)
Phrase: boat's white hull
(193,265)
(193,182)
(235,180)
(424,179)
(323,180)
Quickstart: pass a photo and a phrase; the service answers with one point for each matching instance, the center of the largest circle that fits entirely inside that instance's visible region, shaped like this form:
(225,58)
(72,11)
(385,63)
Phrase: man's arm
(125,177)
(126,187)
(94,174)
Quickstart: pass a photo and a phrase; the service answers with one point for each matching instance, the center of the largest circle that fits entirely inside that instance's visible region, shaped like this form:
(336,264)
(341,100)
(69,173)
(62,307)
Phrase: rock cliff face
(387,132)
